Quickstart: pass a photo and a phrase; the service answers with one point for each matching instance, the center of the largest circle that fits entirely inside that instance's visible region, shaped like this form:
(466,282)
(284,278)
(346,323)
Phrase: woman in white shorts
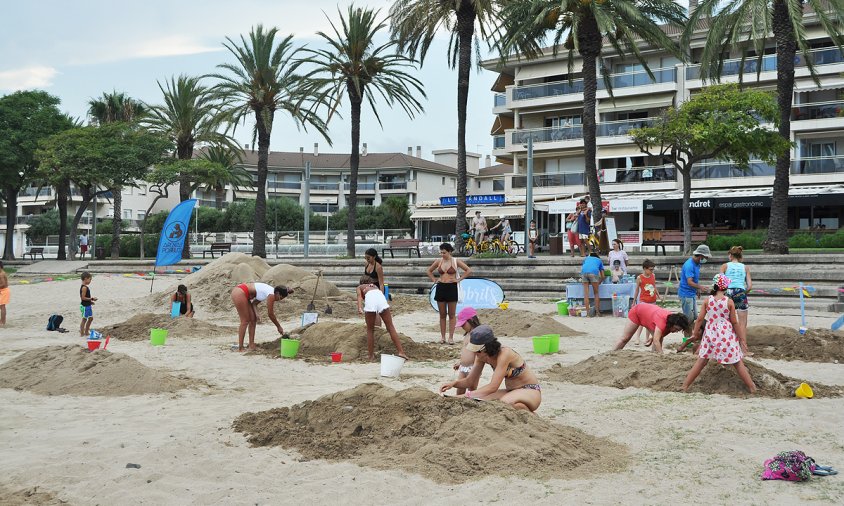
(371,304)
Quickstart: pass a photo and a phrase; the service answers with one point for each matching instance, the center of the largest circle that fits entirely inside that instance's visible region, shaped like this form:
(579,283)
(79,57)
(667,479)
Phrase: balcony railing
(323,208)
(532,91)
(285,185)
(825,56)
(551,134)
(29,191)
(499,141)
(212,203)
(818,110)
(361,186)
(500,99)
(393,185)
(641,175)
(818,165)
(640,78)
(548,180)
(620,128)
(325,186)
(720,170)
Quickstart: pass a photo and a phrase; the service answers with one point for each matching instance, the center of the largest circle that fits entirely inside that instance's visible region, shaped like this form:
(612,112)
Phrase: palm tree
(190,114)
(745,24)
(582,27)
(415,23)
(353,64)
(263,81)
(115,107)
(235,175)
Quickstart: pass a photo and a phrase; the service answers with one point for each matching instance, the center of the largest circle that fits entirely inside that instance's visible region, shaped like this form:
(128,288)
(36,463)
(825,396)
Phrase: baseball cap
(465,314)
(480,337)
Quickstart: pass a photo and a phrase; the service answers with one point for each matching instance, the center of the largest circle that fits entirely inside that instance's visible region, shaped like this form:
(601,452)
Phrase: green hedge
(130,245)
(754,240)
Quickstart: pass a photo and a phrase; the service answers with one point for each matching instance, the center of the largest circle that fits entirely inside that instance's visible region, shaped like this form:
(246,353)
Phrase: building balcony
(39,193)
(575,87)
(816,115)
(393,186)
(499,141)
(818,165)
(622,127)
(542,135)
(734,67)
(633,175)
(325,187)
(285,186)
(722,170)
(362,187)
(551,180)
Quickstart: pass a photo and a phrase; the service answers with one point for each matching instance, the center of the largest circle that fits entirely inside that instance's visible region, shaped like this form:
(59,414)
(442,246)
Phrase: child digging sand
(371,304)
(4,295)
(85,305)
(719,339)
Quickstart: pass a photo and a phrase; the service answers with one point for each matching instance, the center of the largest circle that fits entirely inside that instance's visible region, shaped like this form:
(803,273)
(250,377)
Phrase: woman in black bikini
(375,272)
(184,298)
(446,291)
(521,387)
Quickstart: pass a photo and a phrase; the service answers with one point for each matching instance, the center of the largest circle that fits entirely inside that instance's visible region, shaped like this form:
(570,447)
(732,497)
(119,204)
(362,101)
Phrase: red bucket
(93,345)
(336,356)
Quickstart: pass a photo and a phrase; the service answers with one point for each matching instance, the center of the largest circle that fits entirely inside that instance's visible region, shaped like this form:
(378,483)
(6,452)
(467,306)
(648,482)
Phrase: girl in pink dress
(719,339)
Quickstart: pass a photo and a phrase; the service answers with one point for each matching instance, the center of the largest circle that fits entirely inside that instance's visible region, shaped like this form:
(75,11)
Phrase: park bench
(409,245)
(663,238)
(35,251)
(218,247)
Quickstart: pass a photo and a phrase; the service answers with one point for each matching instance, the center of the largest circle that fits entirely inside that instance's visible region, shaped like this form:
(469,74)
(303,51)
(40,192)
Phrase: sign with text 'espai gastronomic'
(479,293)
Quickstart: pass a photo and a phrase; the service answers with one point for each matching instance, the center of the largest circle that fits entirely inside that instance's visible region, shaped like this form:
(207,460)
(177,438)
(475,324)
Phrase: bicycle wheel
(495,246)
(512,247)
(484,247)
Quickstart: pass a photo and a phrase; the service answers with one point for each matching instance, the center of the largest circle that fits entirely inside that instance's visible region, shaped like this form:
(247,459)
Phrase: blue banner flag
(174,233)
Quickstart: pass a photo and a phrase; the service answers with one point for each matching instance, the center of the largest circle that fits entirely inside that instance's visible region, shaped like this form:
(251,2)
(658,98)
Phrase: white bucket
(391,365)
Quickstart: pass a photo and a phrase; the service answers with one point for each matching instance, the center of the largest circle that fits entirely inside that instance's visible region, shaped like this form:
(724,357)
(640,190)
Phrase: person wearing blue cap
(521,386)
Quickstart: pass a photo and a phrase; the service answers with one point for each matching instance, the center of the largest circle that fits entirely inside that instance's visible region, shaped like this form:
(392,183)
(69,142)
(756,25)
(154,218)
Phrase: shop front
(624,218)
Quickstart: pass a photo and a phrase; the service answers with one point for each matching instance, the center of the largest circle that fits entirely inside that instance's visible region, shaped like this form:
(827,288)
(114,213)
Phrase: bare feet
(402,355)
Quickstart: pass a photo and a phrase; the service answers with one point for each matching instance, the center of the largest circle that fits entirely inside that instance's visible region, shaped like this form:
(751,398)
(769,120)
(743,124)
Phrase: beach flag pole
(802,307)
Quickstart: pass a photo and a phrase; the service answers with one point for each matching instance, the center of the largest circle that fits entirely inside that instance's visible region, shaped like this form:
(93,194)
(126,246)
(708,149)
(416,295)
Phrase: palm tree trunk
(355,98)
(590,48)
(61,201)
(87,197)
(219,196)
(184,151)
(465,32)
(686,172)
(259,238)
(116,222)
(11,198)
(777,241)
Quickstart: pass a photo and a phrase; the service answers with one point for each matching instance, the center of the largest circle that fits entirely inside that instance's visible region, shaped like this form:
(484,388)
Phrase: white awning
(635,103)
(827,83)
(434,214)
(537,70)
(491,212)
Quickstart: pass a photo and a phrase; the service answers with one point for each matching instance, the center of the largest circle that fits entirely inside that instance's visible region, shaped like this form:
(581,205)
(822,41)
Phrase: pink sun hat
(465,314)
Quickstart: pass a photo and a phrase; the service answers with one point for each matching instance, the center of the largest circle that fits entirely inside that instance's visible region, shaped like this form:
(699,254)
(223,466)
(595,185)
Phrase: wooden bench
(35,251)
(664,238)
(218,247)
(409,245)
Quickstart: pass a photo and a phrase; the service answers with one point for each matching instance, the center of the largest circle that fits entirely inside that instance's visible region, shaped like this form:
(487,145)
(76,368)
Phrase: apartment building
(540,100)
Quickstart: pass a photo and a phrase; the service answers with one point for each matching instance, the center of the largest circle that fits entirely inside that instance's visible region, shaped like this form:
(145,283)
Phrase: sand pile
(520,323)
(28,496)
(624,368)
(73,370)
(320,339)
(785,343)
(137,328)
(445,439)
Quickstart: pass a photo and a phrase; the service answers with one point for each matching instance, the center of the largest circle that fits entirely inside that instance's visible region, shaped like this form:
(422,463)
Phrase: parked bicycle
(496,245)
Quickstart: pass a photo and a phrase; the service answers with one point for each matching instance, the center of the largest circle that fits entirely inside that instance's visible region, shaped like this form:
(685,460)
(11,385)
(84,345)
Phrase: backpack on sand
(789,466)
(54,322)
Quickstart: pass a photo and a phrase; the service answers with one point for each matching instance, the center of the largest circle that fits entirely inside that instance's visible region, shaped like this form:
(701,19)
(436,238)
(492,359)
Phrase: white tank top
(262,291)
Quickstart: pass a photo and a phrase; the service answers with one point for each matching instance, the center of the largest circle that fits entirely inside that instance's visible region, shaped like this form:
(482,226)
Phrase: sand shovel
(311,306)
(105,344)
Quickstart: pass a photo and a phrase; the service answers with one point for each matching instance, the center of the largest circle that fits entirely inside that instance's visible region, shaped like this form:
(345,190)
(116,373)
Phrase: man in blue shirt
(689,279)
(592,272)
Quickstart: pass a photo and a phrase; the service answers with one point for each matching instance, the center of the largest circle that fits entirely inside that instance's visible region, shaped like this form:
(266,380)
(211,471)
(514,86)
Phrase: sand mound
(320,339)
(28,496)
(624,368)
(520,323)
(137,328)
(785,343)
(445,439)
(73,370)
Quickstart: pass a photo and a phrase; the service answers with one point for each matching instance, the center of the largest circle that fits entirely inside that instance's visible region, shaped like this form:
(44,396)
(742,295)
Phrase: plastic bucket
(93,345)
(804,391)
(562,308)
(176,309)
(336,356)
(553,342)
(391,365)
(541,344)
(289,348)
(157,337)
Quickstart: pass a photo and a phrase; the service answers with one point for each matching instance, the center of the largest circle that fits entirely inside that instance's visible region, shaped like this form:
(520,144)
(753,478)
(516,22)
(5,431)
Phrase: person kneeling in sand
(184,299)
(245,297)
(658,321)
(372,303)
(521,387)
(468,320)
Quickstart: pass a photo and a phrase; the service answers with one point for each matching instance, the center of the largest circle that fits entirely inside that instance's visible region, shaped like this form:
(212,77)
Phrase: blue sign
(478,293)
(473,200)
(173,234)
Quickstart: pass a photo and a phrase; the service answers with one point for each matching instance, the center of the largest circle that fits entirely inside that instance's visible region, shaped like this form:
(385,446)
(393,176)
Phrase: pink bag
(789,466)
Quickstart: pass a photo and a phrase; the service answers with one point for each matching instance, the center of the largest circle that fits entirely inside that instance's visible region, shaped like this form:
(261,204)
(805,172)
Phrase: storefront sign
(669,205)
(472,200)
(478,293)
(742,202)
(610,206)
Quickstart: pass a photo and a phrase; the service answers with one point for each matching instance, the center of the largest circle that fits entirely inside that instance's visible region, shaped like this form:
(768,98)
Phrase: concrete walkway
(53,267)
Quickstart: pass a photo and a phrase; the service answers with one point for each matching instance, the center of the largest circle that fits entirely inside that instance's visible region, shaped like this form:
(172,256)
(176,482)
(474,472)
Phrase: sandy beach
(671,448)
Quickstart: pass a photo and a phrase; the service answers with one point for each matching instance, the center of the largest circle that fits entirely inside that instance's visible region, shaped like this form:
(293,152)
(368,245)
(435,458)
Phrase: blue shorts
(689,305)
(739,296)
(87,311)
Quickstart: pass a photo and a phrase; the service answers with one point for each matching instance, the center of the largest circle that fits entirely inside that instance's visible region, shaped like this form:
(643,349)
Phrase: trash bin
(100,253)
(555,244)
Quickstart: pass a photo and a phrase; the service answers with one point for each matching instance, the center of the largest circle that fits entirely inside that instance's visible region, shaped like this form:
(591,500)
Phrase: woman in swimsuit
(374,271)
(184,298)
(246,296)
(446,290)
(521,387)
(371,304)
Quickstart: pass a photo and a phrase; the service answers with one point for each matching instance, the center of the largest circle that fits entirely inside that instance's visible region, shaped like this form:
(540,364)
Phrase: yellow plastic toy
(504,306)
(804,391)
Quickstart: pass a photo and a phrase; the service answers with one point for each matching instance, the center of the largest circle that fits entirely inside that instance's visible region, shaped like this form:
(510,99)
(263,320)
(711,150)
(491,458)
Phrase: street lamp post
(529,185)
(307,192)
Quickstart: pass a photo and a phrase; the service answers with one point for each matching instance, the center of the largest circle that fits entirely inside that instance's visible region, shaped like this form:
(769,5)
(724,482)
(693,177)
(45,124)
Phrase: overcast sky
(78,50)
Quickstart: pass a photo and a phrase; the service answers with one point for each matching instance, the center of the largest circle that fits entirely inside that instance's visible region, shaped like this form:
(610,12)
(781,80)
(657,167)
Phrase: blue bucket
(176,310)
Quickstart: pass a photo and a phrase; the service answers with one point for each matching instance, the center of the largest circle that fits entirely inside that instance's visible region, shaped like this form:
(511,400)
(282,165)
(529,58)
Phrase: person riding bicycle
(506,230)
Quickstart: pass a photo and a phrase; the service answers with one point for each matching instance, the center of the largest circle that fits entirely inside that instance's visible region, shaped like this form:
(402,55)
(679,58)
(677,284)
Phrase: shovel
(311,306)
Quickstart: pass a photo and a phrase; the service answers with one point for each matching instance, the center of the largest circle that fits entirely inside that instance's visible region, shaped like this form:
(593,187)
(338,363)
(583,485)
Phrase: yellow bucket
(804,391)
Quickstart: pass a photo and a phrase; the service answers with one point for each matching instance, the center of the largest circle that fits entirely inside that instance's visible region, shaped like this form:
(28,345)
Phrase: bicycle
(496,245)
(469,246)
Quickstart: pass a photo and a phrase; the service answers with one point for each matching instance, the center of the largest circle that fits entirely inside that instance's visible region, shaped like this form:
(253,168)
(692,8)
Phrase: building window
(479,184)
(127,190)
(498,185)
(141,215)
(443,180)
(127,214)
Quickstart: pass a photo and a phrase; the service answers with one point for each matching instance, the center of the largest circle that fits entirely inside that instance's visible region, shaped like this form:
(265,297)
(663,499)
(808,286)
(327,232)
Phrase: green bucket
(563,308)
(157,336)
(289,348)
(541,344)
(553,342)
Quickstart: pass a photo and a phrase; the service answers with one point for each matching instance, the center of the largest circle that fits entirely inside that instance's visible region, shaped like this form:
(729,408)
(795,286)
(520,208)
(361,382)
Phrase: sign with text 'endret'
(479,293)
(473,200)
